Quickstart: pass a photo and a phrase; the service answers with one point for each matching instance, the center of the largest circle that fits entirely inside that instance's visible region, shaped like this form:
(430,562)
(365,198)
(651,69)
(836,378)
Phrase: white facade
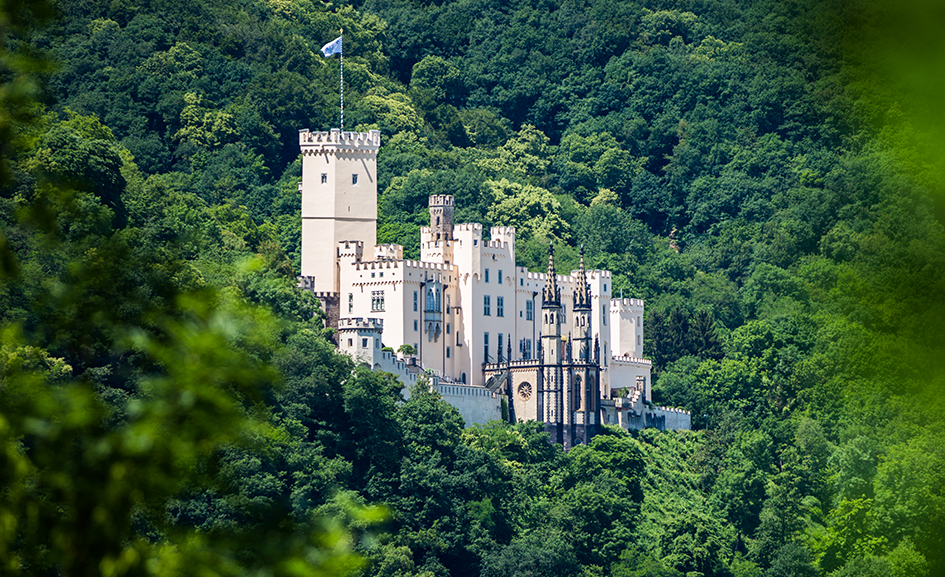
(463,304)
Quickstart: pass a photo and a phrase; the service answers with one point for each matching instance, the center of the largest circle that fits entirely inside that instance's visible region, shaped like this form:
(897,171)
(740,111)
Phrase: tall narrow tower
(441,216)
(584,373)
(551,401)
(339,200)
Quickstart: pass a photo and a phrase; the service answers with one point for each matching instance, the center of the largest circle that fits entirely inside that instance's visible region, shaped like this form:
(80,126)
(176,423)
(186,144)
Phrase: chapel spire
(582,296)
(551,296)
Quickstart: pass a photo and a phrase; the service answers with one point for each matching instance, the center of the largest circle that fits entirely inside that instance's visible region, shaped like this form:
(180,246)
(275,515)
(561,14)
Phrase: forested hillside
(171,405)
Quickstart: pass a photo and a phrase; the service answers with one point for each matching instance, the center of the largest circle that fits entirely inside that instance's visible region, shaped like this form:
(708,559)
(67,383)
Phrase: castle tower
(441,216)
(339,200)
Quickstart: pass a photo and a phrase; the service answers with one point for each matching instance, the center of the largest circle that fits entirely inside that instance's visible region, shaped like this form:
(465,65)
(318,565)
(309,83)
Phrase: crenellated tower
(441,216)
(339,200)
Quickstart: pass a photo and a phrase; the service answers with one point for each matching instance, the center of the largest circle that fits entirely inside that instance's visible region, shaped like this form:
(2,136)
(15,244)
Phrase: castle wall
(475,404)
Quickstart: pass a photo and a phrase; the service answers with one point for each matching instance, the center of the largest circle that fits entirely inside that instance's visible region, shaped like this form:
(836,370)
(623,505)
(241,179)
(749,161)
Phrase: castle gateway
(489,334)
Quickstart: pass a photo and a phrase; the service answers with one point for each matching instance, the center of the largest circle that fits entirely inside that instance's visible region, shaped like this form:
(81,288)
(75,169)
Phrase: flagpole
(342,80)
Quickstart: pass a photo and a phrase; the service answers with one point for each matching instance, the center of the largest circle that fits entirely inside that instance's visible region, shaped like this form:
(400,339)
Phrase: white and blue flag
(332,48)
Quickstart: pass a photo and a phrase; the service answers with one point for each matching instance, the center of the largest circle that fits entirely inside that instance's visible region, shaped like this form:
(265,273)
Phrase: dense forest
(170,403)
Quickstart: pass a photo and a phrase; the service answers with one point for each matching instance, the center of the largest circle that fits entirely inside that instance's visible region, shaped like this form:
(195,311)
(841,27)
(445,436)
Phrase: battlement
(495,244)
(597,273)
(359,323)
(671,410)
(420,265)
(518,364)
(335,139)
(377,264)
(388,252)
(625,305)
(441,200)
(468,226)
(505,231)
(626,358)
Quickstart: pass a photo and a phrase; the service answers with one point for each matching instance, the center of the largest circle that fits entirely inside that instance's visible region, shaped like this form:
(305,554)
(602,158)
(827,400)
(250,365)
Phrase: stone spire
(551,296)
(582,293)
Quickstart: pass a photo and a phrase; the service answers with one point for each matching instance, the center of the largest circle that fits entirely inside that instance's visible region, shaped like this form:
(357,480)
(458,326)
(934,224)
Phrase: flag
(332,48)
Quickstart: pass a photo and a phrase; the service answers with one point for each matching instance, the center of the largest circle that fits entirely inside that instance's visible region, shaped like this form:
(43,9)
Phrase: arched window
(577,392)
(463,378)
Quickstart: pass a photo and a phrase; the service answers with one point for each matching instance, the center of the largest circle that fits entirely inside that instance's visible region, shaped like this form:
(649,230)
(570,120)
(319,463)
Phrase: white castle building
(496,340)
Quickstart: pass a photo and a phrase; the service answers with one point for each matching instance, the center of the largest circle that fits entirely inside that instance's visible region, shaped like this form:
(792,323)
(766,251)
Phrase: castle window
(500,348)
(415,325)
(415,301)
(463,378)
(382,275)
(529,310)
(605,287)
(350,302)
(499,279)
(354,178)
(487,275)
(437,221)
(363,343)
(500,306)
(324,178)
(486,305)
(447,352)
(638,340)
(372,275)
(577,392)
(350,342)
(377,300)
(448,328)
(604,319)
(521,282)
(485,345)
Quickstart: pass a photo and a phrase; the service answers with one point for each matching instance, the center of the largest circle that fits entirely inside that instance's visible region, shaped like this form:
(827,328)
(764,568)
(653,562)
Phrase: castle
(496,340)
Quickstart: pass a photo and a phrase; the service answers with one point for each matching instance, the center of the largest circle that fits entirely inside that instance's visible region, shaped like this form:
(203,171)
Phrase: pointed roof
(551,296)
(582,291)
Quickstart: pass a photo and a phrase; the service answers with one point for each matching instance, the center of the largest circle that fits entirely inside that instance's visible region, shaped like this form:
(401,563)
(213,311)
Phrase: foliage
(759,173)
